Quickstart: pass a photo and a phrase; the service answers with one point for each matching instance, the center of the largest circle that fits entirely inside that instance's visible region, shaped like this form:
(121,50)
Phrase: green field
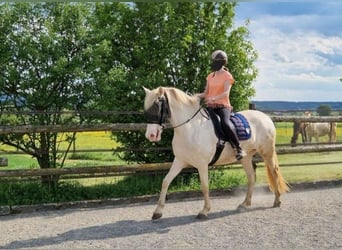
(84,141)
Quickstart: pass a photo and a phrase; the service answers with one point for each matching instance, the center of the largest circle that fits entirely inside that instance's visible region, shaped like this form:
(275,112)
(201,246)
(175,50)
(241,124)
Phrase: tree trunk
(45,161)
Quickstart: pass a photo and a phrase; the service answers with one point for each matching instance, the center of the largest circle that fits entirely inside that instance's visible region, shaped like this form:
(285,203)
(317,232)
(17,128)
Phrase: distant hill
(283,105)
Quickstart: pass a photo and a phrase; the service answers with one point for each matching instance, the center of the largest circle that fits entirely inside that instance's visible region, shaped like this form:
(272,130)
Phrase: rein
(192,117)
(185,122)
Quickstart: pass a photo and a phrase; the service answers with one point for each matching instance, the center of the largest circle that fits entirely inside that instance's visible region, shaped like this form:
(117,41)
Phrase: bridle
(160,111)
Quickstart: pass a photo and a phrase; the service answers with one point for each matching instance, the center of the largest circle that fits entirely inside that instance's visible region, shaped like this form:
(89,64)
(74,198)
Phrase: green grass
(27,193)
(84,141)
(19,161)
(307,173)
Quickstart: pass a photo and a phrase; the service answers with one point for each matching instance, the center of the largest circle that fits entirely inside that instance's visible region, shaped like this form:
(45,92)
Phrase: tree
(324,110)
(43,64)
(167,44)
(76,56)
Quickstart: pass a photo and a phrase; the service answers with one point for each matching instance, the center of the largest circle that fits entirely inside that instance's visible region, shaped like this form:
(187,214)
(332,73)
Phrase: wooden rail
(71,128)
(290,118)
(102,170)
(309,149)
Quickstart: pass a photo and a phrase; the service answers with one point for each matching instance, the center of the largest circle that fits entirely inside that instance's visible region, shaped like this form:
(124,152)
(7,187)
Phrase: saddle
(240,127)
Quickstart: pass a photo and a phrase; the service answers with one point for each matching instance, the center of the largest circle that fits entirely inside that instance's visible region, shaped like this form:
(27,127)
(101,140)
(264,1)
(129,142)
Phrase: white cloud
(296,63)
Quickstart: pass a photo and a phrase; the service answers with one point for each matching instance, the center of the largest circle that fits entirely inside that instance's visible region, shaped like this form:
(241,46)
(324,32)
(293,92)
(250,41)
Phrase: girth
(219,149)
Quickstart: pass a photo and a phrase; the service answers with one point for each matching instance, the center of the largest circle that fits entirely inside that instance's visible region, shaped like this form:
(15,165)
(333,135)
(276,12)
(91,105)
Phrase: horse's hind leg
(250,172)
(175,169)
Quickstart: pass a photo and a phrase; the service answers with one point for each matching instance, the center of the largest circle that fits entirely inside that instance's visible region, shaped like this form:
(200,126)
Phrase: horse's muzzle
(153,132)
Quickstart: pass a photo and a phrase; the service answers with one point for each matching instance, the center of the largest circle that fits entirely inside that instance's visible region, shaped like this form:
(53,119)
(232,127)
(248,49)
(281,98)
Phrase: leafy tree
(72,56)
(43,64)
(324,110)
(167,44)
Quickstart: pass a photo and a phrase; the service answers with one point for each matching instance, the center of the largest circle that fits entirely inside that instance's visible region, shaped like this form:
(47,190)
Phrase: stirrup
(239,156)
(220,143)
(240,153)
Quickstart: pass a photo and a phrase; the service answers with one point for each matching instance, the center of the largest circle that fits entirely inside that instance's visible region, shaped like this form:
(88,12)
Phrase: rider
(216,95)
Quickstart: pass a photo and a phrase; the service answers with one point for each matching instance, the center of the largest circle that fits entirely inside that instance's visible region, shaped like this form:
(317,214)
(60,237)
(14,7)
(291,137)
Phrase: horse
(298,128)
(319,129)
(313,129)
(194,144)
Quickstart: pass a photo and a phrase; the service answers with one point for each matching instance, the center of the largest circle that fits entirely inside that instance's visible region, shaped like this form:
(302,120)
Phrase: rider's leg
(217,125)
(224,114)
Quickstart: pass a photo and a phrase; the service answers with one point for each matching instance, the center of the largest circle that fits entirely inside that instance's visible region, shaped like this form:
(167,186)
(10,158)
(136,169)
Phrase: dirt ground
(309,218)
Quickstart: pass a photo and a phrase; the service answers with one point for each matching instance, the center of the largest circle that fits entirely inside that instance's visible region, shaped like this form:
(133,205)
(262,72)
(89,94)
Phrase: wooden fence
(117,127)
(119,170)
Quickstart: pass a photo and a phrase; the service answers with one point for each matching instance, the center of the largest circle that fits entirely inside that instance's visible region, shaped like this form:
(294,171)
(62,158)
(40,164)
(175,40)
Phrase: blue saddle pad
(243,130)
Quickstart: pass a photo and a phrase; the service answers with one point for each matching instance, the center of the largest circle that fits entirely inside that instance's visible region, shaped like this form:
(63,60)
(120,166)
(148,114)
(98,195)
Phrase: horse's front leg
(175,169)
(203,173)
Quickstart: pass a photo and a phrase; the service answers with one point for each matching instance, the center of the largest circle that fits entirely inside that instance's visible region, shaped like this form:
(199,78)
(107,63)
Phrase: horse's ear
(146,90)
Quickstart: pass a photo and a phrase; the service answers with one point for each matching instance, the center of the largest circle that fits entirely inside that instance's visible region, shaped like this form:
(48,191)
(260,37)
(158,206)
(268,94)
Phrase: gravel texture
(307,219)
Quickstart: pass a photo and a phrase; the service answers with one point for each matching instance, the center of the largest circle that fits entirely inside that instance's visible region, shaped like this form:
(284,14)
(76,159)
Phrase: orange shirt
(215,85)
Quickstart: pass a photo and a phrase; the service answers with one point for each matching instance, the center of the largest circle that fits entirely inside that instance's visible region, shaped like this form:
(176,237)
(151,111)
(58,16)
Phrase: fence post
(3,162)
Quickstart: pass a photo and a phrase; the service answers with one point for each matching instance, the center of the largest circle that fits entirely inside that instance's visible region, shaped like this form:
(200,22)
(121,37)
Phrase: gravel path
(307,219)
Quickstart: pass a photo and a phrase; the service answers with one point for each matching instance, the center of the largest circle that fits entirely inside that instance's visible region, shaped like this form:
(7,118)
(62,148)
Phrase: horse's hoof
(241,208)
(202,216)
(276,204)
(156,216)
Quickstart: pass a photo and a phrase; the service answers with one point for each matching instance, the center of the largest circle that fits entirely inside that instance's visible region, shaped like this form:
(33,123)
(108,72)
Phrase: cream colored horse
(319,129)
(194,143)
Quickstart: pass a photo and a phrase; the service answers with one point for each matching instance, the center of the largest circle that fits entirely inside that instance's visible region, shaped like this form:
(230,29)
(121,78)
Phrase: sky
(299,45)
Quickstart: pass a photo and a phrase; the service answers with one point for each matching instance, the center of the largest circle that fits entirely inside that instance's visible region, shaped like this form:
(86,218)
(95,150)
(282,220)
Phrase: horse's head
(307,113)
(299,128)
(156,111)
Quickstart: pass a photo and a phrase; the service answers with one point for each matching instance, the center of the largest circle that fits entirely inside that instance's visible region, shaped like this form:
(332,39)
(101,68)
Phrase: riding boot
(240,153)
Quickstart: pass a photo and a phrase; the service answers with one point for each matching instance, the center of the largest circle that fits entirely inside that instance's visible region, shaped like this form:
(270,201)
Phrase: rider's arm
(203,94)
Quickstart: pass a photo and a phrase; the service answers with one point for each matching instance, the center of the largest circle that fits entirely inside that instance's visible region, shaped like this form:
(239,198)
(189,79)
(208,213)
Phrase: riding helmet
(218,59)
(219,55)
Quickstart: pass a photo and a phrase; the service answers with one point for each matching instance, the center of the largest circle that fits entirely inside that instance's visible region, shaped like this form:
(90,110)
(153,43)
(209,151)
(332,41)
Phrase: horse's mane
(181,96)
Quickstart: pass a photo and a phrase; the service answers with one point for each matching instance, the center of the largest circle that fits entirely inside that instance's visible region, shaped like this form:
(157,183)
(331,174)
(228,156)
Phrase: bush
(324,110)
(33,192)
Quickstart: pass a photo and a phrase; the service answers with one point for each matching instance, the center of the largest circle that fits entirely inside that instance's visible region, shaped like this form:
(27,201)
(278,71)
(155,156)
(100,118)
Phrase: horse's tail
(275,179)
